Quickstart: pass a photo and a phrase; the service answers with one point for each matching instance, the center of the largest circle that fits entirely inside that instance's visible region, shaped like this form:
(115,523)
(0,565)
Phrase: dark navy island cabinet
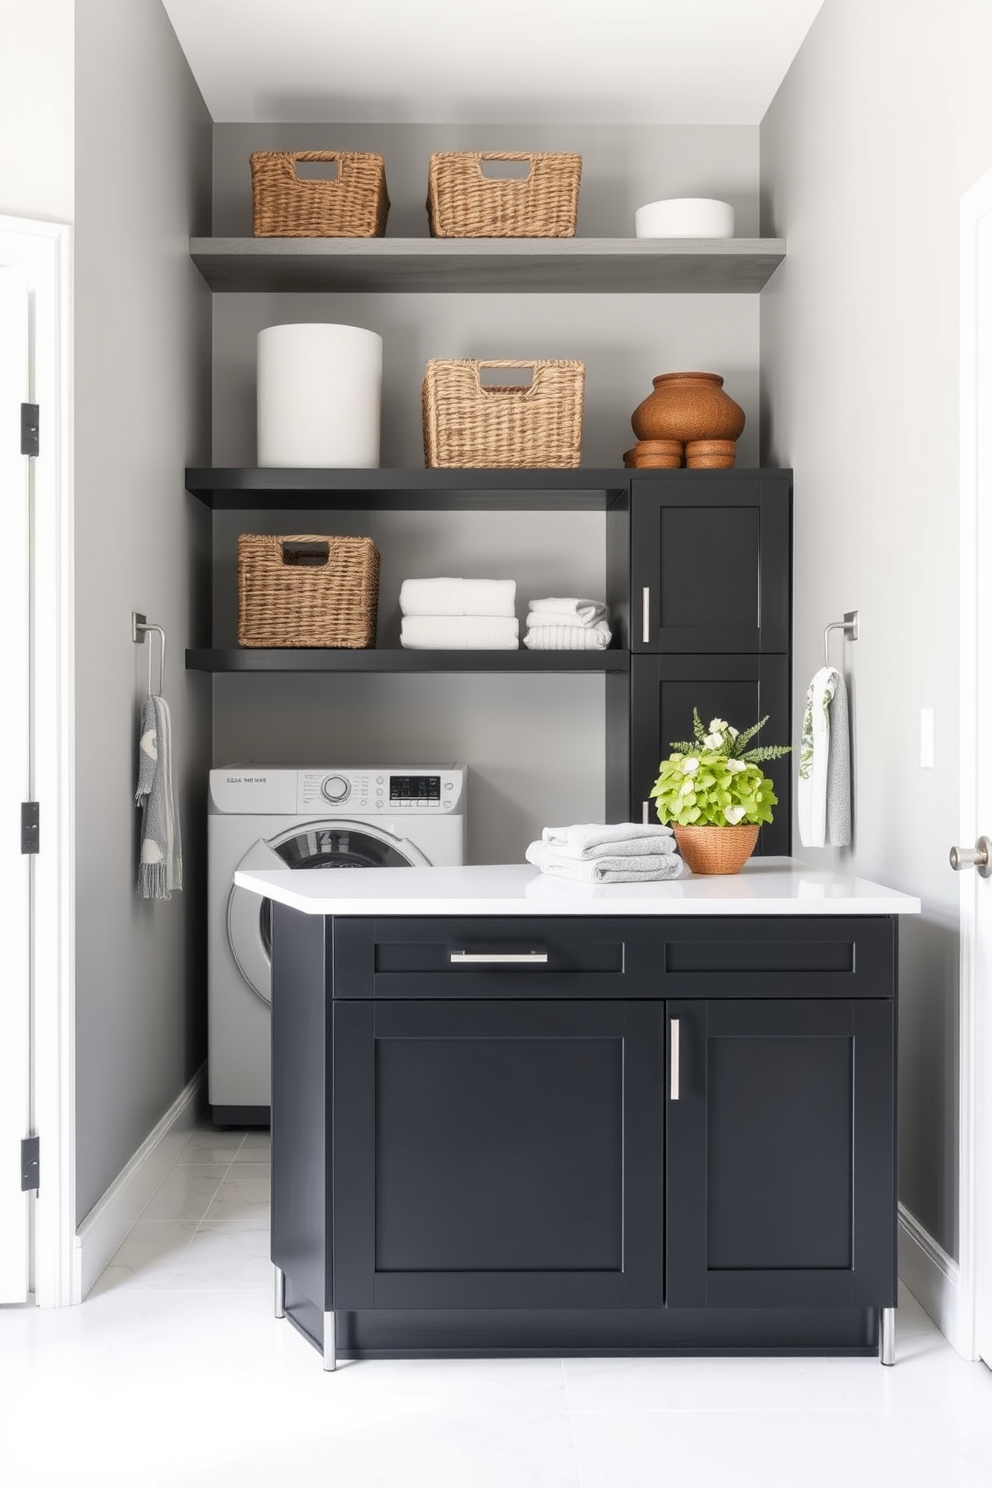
(610,1135)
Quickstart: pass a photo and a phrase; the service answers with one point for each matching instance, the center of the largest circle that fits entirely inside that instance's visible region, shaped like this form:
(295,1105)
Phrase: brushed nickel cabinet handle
(674,1071)
(492,958)
(646,616)
(645,808)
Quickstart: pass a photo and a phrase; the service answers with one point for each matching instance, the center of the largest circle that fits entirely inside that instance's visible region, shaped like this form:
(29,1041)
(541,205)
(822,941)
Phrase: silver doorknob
(979,856)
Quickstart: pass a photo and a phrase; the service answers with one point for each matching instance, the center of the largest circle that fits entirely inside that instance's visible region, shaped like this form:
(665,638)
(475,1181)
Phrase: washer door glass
(341,844)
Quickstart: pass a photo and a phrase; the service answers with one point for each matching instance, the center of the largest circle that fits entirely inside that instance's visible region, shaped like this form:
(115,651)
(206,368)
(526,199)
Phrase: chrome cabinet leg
(887,1331)
(279,1292)
(330,1346)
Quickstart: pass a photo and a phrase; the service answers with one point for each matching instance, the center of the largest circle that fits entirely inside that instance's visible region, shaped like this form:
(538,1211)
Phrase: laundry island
(513,1114)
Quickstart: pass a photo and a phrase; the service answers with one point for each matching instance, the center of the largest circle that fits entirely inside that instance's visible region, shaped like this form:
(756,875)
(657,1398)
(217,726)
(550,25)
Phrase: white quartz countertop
(765,886)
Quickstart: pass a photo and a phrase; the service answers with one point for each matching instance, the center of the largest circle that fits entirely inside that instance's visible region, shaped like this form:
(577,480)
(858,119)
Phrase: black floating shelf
(321,659)
(235,489)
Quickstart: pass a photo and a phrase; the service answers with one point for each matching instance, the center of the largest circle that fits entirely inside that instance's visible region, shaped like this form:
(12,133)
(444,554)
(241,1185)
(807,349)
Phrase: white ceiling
(464,61)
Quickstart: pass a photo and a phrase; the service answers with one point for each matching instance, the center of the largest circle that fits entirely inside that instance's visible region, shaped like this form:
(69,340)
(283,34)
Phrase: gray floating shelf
(490,265)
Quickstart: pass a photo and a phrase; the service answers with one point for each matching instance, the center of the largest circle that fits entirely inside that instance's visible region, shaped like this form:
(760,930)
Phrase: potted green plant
(714,794)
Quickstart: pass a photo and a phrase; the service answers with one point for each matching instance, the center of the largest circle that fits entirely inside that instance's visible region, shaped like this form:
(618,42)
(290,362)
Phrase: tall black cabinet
(707,557)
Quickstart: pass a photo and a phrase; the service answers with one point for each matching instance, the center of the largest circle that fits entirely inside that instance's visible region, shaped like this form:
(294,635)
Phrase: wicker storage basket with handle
(464,203)
(354,205)
(307,590)
(468,425)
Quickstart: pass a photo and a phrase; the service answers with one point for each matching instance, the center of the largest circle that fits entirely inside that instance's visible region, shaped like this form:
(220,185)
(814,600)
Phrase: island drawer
(612,956)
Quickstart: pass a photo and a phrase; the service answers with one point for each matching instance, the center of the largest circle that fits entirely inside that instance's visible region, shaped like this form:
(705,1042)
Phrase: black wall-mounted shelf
(578,489)
(320,659)
(489,265)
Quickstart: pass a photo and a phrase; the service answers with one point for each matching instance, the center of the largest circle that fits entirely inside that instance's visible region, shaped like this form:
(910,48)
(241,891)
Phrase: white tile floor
(174,1372)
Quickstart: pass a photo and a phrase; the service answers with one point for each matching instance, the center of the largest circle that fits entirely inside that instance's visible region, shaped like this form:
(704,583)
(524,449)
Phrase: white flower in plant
(735,766)
(719,725)
(690,766)
(732,731)
(686,788)
(713,741)
(733,814)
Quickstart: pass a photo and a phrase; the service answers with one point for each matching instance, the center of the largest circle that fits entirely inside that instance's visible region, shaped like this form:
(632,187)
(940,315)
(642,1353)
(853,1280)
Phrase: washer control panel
(392,791)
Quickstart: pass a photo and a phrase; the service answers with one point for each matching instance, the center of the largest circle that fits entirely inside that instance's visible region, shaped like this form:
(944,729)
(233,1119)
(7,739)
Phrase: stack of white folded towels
(567,625)
(459,615)
(623,852)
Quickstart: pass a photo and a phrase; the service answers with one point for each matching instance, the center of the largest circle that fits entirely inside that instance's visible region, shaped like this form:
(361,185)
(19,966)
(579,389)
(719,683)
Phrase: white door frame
(43,250)
(975,722)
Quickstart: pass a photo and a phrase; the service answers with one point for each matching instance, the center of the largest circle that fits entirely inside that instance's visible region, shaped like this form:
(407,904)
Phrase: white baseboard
(113,1214)
(934,1279)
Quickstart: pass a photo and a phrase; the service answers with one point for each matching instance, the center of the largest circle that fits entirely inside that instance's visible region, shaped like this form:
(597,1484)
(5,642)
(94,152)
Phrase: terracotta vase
(716,849)
(688,406)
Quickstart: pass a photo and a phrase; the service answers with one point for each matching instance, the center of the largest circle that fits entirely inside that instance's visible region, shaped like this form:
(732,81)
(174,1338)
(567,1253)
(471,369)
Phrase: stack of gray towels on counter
(621,852)
(480,615)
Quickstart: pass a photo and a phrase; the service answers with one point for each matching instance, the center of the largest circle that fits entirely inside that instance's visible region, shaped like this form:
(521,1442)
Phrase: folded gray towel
(642,869)
(160,869)
(625,839)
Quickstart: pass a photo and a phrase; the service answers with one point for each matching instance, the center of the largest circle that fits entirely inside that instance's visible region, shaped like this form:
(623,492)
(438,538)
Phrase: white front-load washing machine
(276,817)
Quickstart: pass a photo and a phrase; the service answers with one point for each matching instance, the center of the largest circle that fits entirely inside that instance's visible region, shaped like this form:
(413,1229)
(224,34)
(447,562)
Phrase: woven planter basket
(716,849)
(463,203)
(307,590)
(355,205)
(467,425)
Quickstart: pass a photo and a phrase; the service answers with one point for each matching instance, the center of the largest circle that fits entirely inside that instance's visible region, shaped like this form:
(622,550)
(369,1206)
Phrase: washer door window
(340,844)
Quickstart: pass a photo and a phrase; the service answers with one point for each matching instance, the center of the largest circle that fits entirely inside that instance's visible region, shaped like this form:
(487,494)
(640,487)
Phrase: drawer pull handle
(674,1072)
(497,958)
(646,616)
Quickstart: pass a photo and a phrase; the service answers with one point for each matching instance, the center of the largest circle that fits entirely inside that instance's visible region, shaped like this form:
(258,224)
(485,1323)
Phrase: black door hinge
(30,829)
(30,1164)
(29,428)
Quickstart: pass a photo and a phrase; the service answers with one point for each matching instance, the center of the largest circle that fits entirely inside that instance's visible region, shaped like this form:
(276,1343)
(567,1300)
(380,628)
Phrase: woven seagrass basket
(464,203)
(468,425)
(716,849)
(307,590)
(354,205)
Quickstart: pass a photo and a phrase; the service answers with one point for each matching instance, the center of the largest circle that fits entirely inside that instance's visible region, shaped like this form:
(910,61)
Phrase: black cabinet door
(497,1155)
(663,692)
(710,561)
(780,1154)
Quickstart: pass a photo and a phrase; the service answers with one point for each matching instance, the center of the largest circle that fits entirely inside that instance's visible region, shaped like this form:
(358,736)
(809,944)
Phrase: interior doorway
(975,758)
(37,765)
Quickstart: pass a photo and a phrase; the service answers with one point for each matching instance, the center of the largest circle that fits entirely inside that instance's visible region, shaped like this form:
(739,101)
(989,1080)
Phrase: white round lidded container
(319,396)
(685,217)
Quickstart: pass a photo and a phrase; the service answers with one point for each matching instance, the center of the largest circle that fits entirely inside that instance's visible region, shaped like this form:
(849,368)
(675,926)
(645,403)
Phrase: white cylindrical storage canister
(319,396)
(685,217)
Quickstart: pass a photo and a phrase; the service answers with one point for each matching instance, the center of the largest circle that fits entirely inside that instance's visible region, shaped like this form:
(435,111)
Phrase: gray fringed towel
(160,866)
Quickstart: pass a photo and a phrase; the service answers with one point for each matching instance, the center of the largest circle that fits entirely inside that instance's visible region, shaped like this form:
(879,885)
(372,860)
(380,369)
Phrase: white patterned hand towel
(568,637)
(585,611)
(825,763)
(536,618)
(592,839)
(160,868)
(458,597)
(460,633)
(614,869)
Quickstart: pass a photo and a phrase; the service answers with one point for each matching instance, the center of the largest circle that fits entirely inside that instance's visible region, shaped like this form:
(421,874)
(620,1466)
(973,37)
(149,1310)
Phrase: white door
(15,787)
(976,760)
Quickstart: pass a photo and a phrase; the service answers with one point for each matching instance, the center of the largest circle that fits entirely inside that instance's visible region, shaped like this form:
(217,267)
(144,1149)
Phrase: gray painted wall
(36,108)
(535,746)
(884,120)
(142,389)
